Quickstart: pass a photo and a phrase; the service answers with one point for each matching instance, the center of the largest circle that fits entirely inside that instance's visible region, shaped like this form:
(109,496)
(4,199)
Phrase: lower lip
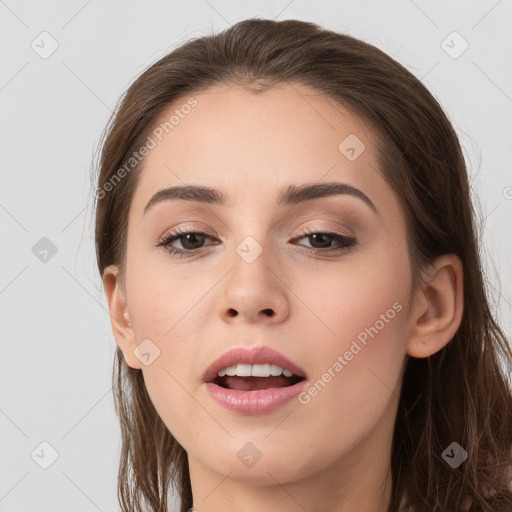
(262,401)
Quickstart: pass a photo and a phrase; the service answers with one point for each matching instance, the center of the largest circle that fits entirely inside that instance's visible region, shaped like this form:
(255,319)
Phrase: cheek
(165,299)
(360,325)
(169,307)
(342,299)
(168,318)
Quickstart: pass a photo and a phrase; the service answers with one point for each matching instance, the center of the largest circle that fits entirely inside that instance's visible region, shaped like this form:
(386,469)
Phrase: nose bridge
(252,240)
(254,288)
(252,261)
(255,240)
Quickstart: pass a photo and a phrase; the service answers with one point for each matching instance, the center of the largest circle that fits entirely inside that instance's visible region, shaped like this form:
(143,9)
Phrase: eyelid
(315,228)
(187,228)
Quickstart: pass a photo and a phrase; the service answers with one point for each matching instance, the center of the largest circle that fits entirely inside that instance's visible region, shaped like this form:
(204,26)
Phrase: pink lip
(258,355)
(254,402)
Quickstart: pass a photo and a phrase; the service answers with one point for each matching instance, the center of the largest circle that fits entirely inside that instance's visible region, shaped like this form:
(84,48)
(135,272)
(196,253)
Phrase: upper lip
(257,355)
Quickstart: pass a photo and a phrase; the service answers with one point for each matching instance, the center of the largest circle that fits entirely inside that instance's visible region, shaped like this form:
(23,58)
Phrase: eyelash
(346,242)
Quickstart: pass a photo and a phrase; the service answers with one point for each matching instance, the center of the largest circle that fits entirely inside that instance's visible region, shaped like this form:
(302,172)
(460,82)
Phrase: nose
(255,291)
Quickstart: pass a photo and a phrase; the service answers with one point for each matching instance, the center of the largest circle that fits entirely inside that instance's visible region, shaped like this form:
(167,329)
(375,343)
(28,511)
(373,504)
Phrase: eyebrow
(293,194)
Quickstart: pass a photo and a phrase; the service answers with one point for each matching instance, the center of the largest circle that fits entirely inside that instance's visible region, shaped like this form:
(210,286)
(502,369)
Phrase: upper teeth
(254,370)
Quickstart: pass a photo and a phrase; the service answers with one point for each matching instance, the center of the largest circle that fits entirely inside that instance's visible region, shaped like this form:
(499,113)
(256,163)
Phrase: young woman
(285,234)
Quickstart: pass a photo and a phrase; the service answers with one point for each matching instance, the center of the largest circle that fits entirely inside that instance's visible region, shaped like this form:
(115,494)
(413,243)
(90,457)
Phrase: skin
(332,453)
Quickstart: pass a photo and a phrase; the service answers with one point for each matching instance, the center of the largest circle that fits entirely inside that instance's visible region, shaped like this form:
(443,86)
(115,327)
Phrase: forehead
(252,144)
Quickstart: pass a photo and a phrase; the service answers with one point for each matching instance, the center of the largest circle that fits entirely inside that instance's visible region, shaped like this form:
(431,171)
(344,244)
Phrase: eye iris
(316,235)
(185,240)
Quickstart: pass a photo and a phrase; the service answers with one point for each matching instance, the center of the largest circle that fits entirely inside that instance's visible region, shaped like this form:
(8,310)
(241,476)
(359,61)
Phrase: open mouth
(256,383)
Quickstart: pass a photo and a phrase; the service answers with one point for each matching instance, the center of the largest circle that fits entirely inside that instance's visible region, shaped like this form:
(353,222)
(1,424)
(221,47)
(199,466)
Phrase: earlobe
(438,311)
(119,316)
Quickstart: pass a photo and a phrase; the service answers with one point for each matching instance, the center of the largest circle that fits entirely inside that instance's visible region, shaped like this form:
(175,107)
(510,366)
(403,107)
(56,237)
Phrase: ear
(437,313)
(119,316)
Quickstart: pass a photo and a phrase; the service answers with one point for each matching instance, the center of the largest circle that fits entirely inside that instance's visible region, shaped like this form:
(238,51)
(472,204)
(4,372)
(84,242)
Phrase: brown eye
(190,241)
(322,242)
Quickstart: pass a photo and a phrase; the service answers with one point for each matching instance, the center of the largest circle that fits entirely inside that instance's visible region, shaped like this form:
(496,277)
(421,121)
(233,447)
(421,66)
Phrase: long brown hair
(461,393)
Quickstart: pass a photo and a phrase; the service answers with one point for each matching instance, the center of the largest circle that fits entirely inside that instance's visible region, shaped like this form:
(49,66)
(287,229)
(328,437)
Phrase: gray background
(57,343)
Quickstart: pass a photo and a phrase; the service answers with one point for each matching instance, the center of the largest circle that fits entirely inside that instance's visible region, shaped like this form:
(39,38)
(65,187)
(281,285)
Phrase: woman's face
(340,314)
